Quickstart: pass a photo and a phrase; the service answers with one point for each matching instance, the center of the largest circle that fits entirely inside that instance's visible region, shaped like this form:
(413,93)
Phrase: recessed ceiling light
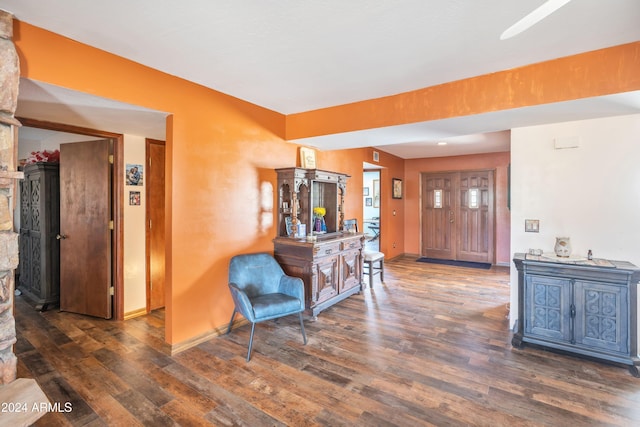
(442,143)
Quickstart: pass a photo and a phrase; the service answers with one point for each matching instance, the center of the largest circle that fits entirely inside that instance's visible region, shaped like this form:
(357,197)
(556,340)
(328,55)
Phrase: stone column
(9,80)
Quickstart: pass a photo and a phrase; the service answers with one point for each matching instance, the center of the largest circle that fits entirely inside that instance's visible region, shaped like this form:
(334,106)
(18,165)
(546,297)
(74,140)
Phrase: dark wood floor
(431,346)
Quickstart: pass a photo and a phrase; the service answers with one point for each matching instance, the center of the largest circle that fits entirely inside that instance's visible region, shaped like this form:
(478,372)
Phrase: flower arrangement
(319,211)
(44,156)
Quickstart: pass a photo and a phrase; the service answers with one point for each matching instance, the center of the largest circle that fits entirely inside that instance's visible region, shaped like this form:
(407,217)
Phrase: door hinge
(112,291)
(110,158)
(111,226)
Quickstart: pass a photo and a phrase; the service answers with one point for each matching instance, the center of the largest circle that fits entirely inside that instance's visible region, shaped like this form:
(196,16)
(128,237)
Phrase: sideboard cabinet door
(603,321)
(548,307)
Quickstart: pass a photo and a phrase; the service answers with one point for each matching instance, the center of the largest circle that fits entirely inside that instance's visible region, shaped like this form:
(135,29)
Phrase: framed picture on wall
(365,191)
(368,201)
(134,175)
(134,198)
(397,188)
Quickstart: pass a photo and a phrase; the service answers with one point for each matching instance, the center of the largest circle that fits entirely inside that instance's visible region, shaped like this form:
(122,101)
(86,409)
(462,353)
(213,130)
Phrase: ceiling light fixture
(442,143)
(546,9)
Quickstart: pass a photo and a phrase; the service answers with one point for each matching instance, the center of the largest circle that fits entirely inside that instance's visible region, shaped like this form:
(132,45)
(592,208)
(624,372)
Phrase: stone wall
(9,81)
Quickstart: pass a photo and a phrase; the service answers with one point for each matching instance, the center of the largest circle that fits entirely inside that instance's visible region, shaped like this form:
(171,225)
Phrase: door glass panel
(437,199)
(473,198)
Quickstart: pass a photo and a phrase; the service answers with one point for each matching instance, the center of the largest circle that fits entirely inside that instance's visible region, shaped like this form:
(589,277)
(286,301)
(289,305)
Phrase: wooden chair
(370,258)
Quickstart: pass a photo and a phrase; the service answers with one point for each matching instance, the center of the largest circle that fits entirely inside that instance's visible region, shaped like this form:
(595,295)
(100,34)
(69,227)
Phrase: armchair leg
(253,327)
(231,321)
(304,335)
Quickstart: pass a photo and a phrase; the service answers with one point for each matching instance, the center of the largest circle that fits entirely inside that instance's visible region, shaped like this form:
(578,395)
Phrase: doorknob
(451,216)
(61,236)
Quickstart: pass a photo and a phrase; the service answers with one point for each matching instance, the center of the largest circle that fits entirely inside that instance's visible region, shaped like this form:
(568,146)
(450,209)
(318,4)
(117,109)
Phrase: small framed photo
(532,225)
(134,198)
(368,201)
(307,158)
(397,188)
(365,191)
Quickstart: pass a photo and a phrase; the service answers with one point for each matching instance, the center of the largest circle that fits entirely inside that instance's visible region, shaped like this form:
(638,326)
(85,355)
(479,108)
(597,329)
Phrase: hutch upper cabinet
(302,190)
(587,308)
(329,261)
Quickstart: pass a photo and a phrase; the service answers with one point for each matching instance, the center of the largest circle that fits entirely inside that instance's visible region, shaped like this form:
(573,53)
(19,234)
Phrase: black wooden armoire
(39,226)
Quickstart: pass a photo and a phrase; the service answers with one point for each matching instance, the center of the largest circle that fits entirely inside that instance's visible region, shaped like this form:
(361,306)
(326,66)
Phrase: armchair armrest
(292,286)
(241,301)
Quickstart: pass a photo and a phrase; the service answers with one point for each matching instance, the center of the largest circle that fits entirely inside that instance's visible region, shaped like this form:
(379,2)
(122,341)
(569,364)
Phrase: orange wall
(221,156)
(496,161)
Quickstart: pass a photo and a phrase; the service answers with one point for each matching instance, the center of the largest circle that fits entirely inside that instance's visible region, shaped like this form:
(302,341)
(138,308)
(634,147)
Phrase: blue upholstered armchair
(261,291)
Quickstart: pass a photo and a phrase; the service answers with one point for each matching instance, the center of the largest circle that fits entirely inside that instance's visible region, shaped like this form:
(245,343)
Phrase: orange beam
(597,73)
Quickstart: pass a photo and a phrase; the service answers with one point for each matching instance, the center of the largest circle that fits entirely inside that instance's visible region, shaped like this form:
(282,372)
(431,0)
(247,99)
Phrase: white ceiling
(293,56)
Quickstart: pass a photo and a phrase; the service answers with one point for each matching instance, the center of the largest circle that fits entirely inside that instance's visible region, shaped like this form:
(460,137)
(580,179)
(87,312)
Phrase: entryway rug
(468,264)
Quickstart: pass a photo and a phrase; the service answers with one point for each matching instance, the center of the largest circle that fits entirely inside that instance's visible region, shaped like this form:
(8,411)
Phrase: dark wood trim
(117,193)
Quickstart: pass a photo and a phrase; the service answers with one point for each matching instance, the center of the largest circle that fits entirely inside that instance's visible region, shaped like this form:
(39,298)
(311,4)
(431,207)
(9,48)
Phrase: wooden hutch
(329,261)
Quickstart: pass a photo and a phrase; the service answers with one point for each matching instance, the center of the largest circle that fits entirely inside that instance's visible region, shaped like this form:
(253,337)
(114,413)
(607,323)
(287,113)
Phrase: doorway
(113,251)
(371,208)
(458,215)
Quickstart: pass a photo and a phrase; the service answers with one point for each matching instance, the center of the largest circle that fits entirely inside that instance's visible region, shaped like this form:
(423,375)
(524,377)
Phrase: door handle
(451,215)
(61,236)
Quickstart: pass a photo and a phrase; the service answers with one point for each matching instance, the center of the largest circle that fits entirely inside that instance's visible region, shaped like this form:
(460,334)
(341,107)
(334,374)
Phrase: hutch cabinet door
(602,316)
(547,309)
(326,278)
(350,270)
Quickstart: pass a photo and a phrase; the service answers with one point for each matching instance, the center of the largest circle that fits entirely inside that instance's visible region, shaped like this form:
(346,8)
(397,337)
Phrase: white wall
(590,193)
(367,181)
(135,286)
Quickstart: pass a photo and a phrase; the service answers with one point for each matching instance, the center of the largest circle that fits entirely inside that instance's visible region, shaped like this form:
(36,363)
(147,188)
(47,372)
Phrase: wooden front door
(85,234)
(458,215)
(439,207)
(155,224)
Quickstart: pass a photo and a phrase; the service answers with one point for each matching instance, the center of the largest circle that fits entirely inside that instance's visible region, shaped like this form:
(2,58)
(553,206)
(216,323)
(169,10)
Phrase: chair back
(255,274)
(348,224)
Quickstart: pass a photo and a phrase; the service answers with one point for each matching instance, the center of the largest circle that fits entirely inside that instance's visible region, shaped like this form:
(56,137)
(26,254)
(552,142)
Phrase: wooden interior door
(155,224)
(458,215)
(475,227)
(85,234)
(439,207)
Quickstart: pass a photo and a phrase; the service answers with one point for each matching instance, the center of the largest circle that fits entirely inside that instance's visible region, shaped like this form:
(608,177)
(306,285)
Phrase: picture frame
(307,158)
(134,174)
(134,198)
(396,185)
(365,191)
(368,201)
